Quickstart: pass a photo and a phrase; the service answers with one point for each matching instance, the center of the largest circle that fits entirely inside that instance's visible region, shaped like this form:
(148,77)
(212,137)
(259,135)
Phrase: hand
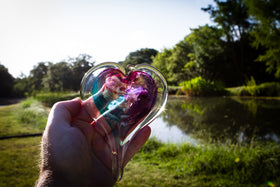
(74,152)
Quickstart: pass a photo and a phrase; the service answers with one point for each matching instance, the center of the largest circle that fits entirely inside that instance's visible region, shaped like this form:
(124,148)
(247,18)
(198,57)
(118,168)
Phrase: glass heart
(121,104)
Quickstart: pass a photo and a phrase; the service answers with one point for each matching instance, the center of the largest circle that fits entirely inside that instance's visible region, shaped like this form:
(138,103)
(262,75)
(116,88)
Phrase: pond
(223,119)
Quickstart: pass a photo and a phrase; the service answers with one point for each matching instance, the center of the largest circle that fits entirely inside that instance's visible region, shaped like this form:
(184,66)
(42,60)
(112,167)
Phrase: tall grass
(27,117)
(220,164)
(264,89)
(33,113)
(202,87)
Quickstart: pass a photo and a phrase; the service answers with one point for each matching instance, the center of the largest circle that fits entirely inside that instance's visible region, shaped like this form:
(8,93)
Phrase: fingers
(97,132)
(91,107)
(136,143)
(64,111)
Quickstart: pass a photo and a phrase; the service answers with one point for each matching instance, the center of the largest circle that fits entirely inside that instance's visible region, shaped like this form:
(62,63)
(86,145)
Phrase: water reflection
(229,119)
(169,134)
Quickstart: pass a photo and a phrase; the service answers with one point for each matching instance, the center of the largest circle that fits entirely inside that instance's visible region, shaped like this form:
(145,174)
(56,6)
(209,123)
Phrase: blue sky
(35,31)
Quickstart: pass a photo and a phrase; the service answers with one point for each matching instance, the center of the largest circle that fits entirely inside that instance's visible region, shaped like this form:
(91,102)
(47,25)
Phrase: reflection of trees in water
(224,118)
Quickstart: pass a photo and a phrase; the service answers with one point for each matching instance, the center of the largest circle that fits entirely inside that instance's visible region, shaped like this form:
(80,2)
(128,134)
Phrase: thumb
(136,143)
(65,111)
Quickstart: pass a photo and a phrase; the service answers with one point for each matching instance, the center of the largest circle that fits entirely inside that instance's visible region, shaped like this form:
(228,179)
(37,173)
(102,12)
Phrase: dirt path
(9,101)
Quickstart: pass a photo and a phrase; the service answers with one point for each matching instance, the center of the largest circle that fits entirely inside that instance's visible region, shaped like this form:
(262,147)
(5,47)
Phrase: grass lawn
(19,160)
(26,117)
(156,164)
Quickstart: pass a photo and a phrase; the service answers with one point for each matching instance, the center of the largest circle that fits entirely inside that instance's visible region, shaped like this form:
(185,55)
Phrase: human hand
(74,152)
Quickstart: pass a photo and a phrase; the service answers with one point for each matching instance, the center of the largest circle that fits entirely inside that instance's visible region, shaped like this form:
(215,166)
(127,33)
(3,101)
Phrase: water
(224,119)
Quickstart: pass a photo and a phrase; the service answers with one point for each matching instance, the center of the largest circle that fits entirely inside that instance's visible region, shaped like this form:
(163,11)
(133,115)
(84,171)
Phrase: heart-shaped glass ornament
(121,104)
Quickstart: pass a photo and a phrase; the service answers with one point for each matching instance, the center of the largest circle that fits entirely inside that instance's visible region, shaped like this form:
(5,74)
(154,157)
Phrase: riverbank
(269,89)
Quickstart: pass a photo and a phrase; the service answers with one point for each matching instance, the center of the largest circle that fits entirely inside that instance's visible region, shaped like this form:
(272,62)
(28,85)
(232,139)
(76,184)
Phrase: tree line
(243,43)
(47,76)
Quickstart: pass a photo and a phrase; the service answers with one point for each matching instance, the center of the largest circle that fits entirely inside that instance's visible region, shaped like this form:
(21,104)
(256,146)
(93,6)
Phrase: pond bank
(268,89)
(210,119)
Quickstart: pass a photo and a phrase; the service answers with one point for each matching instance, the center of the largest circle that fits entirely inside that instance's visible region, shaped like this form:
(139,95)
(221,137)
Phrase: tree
(171,62)
(161,60)
(267,32)
(37,74)
(232,16)
(7,81)
(59,77)
(79,66)
(208,47)
(142,56)
(22,86)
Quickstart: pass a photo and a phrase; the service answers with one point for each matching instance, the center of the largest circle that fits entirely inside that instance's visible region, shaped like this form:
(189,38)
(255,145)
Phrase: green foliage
(22,86)
(142,56)
(32,112)
(29,116)
(172,63)
(205,52)
(266,33)
(207,58)
(251,86)
(175,90)
(49,98)
(79,66)
(201,87)
(6,84)
(160,61)
(37,74)
(232,16)
(249,164)
(264,89)
(61,76)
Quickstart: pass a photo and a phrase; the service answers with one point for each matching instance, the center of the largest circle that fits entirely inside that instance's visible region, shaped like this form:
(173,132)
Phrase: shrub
(175,90)
(264,89)
(49,98)
(269,89)
(32,113)
(202,87)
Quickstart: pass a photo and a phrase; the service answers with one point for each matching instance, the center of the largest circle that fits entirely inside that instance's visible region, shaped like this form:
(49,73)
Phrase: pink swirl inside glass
(124,101)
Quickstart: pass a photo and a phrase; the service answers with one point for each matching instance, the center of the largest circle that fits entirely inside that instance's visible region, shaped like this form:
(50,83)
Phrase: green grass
(49,98)
(159,164)
(19,160)
(156,164)
(265,89)
(27,117)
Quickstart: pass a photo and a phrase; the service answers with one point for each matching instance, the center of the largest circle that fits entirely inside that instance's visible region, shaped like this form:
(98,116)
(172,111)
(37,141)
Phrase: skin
(74,150)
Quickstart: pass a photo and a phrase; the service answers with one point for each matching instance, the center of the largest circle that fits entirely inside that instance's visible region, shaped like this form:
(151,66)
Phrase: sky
(33,31)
